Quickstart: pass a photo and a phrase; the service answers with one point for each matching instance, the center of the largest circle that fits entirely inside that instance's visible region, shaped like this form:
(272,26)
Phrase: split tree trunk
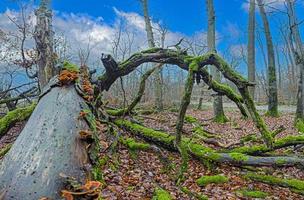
(48,145)
(44,43)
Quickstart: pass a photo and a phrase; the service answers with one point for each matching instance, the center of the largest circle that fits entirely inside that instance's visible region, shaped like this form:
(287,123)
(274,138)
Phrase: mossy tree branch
(184,61)
(12,117)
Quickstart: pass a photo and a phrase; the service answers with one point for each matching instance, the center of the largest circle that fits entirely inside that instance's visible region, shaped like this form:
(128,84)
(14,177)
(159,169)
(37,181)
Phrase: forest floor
(134,175)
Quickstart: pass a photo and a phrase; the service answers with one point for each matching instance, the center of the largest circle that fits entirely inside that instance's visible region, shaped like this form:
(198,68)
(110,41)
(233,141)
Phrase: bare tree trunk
(251,46)
(298,52)
(44,42)
(218,110)
(151,43)
(272,79)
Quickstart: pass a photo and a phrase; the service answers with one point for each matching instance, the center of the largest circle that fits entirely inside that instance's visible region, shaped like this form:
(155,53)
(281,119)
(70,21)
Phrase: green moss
(272,113)
(161,194)
(194,62)
(253,194)
(238,156)
(272,180)
(70,66)
(217,179)
(249,138)
(201,132)
(190,119)
(146,132)
(5,149)
(256,149)
(12,117)
(133,145)
(116,112)
(280,161)
(220,119)
(300,125)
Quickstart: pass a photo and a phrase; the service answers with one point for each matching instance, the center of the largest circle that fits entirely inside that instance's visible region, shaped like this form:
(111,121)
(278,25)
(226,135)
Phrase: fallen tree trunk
(48,145)
(294,184)
(12,117)
(204,153)
(278,144)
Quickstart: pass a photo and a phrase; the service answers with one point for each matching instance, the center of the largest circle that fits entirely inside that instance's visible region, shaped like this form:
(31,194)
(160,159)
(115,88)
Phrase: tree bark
(251,47)
(272,79)
(218,110)
(48,145)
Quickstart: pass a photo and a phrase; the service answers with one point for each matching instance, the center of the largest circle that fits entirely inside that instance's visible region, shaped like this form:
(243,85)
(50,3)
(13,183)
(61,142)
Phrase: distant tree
(272,80)
(298,52)
(151,43)
(251,46)
(219,115)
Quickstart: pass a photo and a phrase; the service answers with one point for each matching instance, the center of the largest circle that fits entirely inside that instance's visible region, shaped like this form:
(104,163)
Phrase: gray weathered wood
(48,145)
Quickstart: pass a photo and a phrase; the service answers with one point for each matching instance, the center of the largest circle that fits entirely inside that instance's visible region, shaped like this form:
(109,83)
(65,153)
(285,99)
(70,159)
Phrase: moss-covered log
(204,153)
(294,184)
(12,117)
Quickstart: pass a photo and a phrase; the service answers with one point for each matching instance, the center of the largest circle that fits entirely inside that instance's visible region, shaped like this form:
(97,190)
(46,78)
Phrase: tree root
(203,153)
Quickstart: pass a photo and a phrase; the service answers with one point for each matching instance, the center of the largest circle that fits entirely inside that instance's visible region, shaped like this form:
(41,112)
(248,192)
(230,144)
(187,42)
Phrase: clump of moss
(217,179)
(300,125)
(133,145)
(116,112)
(161,194)
(220,119)
(190,119)
(70,66)
(253,193)
(238,157)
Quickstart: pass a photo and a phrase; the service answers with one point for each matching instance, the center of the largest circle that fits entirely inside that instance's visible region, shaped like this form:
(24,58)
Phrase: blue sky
(182,18)
(177,15)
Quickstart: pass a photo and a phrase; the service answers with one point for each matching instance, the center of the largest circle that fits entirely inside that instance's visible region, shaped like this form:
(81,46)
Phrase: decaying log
(48,145)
